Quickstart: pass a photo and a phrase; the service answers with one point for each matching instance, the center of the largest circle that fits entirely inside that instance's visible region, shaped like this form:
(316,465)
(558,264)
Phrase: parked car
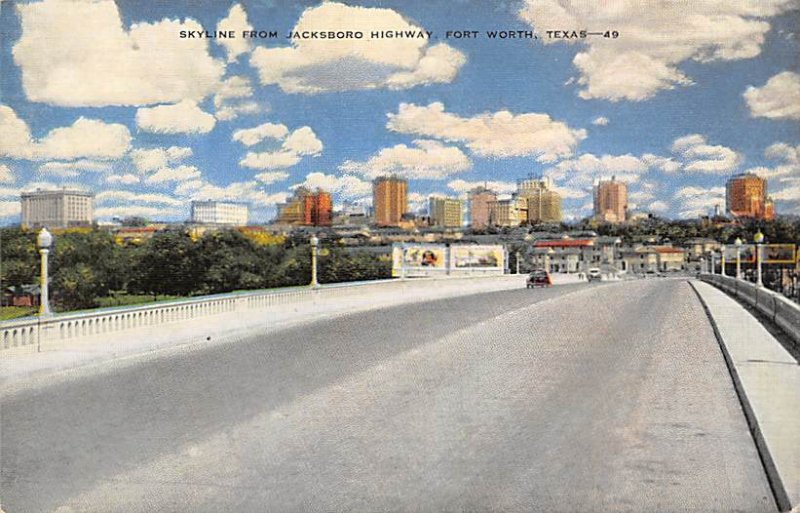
(539,278)
(594,274)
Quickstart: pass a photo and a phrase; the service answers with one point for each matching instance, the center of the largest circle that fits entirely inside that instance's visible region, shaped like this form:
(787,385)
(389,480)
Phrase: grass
(15,312)
(131,299)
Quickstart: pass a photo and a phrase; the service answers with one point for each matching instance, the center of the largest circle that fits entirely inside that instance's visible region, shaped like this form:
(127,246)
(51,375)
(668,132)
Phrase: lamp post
(314,247)
(703,265)
(517,260)
(44,241)
(722,259)
(738,244)
(758,238)
(713,258)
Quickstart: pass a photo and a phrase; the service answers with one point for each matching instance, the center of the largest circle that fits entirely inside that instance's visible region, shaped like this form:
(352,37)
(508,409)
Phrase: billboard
(779,254)
(418,259)
(467,257)
(747,254)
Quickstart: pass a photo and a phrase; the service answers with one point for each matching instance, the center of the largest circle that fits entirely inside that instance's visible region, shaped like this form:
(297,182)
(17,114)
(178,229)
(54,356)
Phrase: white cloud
(124,179)
(665,164)
(600,121)
(253,136)
(269,160)
(249,192)
(6,175)
(152,159)
(586,169)
(146,64)
(10,208)
(106,197)
(788,158)
(173,174)
(500,134)
(347,186)
(229,99)
(303,141)
(701,157)
(658,206)
(85,138)
(779,98)
(72,169)
(179,118)
(645,58)
(463,186)
(236,21)
(312,66)
(159,212)
(429,160)
(295,145)
(269,177)
(693,201)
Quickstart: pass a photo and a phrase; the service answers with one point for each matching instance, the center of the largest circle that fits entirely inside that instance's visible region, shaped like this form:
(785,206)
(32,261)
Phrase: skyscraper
(307,208)
(746,196)
(543,203)
(480,200)
(389,200)
(446,212)
(611,201)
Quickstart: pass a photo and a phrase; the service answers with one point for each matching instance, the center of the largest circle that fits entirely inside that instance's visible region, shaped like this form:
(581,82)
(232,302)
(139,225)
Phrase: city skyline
(170,120)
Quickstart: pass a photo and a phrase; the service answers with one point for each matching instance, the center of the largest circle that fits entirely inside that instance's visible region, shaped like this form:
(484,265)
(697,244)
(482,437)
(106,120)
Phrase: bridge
(468,394)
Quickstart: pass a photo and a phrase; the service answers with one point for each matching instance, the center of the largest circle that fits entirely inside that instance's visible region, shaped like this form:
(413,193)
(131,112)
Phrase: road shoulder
(767,379)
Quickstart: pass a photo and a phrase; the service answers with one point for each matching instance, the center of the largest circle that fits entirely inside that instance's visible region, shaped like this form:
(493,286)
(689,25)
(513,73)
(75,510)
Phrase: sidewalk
(767,379)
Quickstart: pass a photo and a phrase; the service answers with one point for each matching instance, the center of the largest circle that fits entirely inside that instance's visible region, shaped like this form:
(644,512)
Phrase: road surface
(576,398)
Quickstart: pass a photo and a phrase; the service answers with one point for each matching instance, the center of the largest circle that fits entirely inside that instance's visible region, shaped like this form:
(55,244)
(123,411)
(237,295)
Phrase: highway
(610,397)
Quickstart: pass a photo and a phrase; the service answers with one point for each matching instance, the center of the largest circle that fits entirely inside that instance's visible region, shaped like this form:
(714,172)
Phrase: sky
(108,97)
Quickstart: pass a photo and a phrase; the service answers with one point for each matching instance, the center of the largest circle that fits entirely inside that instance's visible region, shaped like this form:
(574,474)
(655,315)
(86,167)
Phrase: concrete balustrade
(780,310)
(31,334)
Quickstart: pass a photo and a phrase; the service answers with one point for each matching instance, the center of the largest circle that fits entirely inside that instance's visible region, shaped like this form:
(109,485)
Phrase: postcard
(399,255)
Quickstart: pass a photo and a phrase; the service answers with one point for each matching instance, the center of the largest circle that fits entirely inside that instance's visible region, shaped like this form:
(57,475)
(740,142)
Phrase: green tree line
(86,266)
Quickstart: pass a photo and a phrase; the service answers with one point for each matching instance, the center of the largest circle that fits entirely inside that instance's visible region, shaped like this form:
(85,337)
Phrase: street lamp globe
(314,240)
(44,239)
(758,238)
(738,242)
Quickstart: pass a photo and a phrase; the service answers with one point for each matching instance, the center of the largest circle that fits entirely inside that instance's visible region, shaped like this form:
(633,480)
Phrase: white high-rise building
(60,208)
(220,212)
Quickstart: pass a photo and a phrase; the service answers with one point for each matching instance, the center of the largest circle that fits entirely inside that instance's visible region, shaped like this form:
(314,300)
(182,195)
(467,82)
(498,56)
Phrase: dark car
(539,279)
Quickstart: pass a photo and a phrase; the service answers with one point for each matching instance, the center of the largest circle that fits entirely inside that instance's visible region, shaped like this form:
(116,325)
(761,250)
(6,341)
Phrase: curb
(773,477)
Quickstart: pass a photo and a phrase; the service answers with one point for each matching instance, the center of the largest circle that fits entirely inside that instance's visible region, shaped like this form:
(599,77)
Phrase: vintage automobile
(594,274)
(539,278)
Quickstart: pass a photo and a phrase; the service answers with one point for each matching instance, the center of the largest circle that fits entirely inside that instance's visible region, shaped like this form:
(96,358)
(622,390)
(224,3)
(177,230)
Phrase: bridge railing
(29,333)
(782,311)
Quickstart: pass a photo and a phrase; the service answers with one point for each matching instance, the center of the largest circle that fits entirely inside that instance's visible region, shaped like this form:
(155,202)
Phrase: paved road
(577,398)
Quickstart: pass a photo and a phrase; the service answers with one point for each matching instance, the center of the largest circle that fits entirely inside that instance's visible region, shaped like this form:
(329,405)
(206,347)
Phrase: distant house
(23,295)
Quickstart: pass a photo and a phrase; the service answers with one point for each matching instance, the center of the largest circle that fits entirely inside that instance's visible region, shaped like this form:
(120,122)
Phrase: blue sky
(108,97)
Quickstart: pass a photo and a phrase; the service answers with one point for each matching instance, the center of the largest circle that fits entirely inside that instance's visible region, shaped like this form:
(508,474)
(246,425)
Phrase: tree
(167,265)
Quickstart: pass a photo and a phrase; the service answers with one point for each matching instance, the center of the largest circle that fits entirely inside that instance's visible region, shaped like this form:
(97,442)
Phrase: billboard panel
(477,257)
(747,255)
(779,254)
(416,259)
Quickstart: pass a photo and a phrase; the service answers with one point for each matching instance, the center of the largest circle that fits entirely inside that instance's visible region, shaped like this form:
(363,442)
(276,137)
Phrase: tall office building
(389,200)
(307,208)
(611,201)
(543,205)
(61,208)
(317,209)
(746,196)
(220,212)
(446,212)
(508,212)
(480,200)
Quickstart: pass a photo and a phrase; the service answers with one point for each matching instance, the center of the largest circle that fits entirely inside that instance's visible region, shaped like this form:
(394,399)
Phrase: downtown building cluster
(535,201)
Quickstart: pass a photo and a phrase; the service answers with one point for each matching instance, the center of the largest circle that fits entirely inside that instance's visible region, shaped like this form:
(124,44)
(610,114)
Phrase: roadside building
(59,208)
(566,255)
(670,258)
